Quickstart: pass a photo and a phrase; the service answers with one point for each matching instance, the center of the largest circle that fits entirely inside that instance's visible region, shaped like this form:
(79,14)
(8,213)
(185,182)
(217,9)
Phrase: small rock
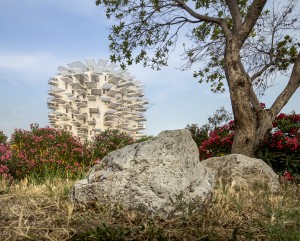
(242,172)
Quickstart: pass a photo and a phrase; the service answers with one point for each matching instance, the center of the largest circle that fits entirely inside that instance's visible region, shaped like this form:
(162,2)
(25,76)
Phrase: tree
(243,42)
(216,121)
(219,118)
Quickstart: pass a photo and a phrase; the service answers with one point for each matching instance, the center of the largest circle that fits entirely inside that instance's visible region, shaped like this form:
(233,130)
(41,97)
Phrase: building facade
(86,99)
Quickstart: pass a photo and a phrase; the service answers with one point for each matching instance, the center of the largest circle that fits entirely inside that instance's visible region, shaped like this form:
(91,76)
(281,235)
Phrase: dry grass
(42,212)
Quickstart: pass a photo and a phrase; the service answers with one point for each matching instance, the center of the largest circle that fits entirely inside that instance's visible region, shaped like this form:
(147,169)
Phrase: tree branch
(289,90)
(251,19)
(204,18)
(235,14)
(259,73)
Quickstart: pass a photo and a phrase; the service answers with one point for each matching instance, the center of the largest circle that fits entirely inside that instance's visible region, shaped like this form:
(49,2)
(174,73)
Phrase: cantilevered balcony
(108,122)
(109,117)
(131,116)
(107,86)
(122,125)
(113,79)
(90,84)
(59,100)
(91,97)
(82,104)
(81,116)
(94,110)
(81,91)
(141,109)
(51,114)
(91,121)
(141,127)
(74,111)
(122,113)
(135,105)
(65,118)
(77,85)
(76,122)
(124,83)
(96,91)
(141,118)
(112,92)
(67,80)
(113,104)
(105,98)
(52,81)
(133,94)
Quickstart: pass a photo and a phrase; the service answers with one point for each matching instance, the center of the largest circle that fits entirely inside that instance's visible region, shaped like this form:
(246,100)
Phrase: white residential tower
(88,98)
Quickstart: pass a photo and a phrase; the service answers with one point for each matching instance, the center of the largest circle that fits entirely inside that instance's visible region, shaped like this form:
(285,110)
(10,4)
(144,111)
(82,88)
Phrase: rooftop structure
(88,98)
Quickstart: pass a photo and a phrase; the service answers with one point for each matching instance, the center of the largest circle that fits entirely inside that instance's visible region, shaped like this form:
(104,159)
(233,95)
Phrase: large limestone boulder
(242,172)
(151,176)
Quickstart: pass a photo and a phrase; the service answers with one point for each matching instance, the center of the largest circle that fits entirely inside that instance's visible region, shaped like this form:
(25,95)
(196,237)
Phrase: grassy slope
(42,212)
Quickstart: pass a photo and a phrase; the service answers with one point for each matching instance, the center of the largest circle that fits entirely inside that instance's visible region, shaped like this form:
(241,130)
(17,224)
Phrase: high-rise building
(86,99)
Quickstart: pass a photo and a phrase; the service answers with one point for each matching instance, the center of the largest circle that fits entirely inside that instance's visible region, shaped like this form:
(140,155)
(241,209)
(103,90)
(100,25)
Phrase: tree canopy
(245,43)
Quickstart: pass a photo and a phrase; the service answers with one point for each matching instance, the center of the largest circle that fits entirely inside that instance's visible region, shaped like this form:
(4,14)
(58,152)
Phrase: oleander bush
(108,141)
(43,152)
(5,157)
(280,149)
(48,152)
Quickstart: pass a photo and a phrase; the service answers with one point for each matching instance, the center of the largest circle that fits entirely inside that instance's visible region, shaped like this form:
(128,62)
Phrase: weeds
(41,211)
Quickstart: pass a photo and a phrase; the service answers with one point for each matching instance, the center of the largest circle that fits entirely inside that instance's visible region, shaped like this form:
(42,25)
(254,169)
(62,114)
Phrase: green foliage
(44,152)
(199,134)
(144,138)
(105,233)
(146,31)
(108,141)
(3,138)
(281,149)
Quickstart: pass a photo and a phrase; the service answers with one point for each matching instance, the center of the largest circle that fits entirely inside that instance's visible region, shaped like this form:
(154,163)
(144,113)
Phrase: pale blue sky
(36,36)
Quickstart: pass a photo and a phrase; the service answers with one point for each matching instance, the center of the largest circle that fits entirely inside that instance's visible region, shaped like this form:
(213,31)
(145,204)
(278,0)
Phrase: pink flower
(262,105)
(287,176)
(281,116)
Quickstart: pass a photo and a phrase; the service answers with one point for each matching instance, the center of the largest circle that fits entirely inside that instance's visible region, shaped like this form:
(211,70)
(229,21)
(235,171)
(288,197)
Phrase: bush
(199,134)
(218,143)
(108,141)
(3,138)
(280,149)
(44,152)
(5,157)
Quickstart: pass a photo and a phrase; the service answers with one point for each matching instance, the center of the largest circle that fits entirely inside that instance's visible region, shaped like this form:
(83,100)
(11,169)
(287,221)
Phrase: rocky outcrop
(242,172)
(153,176)
(159,175)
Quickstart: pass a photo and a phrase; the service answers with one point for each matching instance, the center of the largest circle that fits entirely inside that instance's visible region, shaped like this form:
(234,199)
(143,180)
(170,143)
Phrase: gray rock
(154,176)
(242,172)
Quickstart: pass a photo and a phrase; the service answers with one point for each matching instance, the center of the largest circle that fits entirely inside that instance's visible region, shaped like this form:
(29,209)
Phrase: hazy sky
(36,36)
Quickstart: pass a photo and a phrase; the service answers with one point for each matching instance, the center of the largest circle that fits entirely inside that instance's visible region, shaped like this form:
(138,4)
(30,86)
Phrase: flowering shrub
(5,156)
(199,134)
(280,149)
(109,140)
(45,152)
(218,143)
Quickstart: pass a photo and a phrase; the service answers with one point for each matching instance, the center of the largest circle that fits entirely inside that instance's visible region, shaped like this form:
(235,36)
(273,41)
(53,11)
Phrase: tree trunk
(252,124)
